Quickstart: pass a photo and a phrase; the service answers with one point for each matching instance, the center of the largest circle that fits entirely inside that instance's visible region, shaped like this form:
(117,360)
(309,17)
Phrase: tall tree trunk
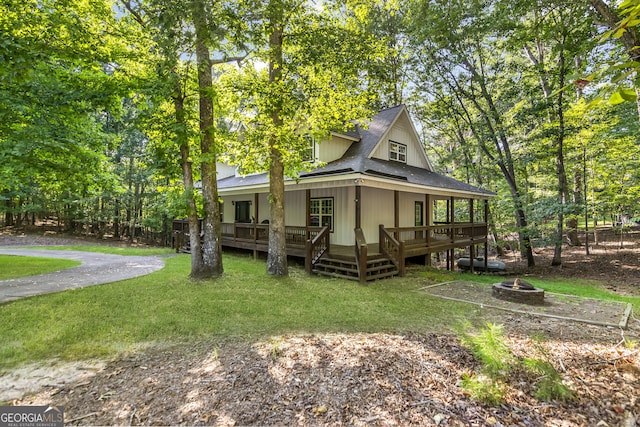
(277,252)
(212,242)
(134,211)
(493,121)
(187,177)
(116,219)
(572,220)
(562,175)
(8,213)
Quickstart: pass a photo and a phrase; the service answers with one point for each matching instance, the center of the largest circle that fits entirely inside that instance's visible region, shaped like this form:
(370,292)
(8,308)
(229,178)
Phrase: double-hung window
(321,212)
(309,153)
(397,152)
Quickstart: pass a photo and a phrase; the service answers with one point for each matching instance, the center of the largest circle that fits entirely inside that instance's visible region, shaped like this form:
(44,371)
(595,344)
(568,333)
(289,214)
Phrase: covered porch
(385,255)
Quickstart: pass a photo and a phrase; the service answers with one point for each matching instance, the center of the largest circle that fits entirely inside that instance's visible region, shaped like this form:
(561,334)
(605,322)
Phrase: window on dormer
(397,152)
(309,154)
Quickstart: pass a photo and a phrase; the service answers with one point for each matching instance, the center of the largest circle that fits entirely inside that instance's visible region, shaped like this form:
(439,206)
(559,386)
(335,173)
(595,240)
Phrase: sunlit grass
(12,266)
(165,306)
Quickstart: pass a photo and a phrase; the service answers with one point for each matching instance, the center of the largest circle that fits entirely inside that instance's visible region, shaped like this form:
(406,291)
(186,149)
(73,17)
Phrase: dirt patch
(612,261)
(567,307)
(32,378)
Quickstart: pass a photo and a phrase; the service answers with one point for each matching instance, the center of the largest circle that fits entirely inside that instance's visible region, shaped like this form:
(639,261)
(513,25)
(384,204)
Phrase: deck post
(358,202)
(472,251)
(428,212)
(452,231)
(396,212)
(486,240)
(307,256)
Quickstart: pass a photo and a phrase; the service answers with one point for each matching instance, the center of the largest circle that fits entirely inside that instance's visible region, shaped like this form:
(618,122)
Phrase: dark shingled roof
(356,160)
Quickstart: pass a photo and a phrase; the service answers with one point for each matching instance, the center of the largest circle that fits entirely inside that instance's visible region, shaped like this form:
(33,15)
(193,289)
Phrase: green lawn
(166,307)
(12,266)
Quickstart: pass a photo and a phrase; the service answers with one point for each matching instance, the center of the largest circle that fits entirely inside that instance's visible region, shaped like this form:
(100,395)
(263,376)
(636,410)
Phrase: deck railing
(440,233)
(396,243)
(361,254)
(392,248)
(316,247)
(259,233)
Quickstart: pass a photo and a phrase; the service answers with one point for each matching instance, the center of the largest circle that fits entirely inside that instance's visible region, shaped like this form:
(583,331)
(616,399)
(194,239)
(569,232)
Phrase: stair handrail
(361,254)
(316,247)
(392,249)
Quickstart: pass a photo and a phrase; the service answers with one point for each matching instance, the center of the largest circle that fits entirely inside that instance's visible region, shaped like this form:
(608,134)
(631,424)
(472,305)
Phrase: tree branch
(136,15)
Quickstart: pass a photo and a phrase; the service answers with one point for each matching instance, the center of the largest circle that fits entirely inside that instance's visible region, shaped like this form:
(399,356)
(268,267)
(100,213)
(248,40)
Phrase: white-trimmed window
(321,212)
(397,152)
(309,154)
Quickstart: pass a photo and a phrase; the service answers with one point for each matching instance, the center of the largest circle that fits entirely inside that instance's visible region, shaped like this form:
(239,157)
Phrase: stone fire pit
(517,290)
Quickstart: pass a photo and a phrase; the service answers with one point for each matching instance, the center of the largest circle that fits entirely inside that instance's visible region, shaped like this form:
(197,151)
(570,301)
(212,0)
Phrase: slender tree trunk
(277,252)
(187,177)
(134,211)
(493,121)
(562,175)
(572,221)
(116,219)
(212,243)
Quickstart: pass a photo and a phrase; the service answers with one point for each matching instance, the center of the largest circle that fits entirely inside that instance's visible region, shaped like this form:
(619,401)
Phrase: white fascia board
(343,136)
(350,179)
(325,181)
(391,184)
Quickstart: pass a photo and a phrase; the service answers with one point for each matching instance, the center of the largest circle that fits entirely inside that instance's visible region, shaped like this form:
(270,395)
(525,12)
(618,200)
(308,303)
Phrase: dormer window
(397,152)
(309,154)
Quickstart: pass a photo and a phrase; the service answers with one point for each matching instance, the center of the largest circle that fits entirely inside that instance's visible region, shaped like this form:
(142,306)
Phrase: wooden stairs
(378,267)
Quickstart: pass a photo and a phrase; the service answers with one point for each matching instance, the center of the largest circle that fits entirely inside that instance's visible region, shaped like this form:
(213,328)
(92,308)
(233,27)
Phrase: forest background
(111,112)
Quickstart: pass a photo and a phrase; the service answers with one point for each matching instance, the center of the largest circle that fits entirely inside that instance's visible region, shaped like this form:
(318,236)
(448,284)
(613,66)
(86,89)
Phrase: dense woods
(113,113)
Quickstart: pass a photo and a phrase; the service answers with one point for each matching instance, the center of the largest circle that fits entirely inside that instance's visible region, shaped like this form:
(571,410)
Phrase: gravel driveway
(96,269)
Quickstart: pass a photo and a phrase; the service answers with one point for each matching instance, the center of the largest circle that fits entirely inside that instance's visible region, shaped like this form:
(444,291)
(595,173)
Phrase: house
(374,203)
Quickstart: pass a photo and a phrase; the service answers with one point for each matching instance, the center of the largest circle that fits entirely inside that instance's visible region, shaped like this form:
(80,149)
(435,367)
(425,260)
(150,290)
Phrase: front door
(243,211)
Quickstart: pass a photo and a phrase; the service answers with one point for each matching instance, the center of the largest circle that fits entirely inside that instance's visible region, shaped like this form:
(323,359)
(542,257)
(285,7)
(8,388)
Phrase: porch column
(358,201)
(486,240)
(256,212)
(452,218)
(427,221)
(396,212)
(307,210)
(472,248)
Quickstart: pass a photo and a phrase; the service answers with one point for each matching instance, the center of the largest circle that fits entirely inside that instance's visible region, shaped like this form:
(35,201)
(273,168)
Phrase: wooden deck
(312,243)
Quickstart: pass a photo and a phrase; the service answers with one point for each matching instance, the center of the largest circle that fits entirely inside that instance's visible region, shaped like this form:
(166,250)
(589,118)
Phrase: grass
(167,307)
(12,266)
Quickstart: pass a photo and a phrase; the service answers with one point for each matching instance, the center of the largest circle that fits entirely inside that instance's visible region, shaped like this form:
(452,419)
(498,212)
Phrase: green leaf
(616,98)
(628,94)
(618,33)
